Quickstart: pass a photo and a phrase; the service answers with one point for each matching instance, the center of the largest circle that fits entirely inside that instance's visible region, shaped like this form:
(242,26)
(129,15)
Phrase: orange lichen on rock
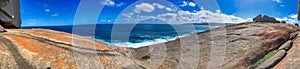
(46,60)
(102,59)
(66,37)
(42,49)
(72,66)
(59,63)
(1,48)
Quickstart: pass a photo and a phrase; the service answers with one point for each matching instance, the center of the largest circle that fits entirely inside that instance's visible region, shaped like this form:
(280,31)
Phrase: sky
(64,12)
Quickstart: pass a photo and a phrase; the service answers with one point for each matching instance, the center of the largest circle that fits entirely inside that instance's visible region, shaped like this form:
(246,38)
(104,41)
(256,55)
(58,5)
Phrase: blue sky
(63,12)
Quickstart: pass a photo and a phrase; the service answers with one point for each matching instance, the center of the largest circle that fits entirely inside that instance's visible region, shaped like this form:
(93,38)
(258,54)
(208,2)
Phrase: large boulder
(10,13)
(265,18)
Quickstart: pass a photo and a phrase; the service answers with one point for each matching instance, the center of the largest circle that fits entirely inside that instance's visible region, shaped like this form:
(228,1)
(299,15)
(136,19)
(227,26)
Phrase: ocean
(140,35)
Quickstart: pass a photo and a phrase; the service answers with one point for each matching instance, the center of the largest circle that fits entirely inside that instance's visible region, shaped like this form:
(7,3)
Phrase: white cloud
(218,11)
(179,16)
(120,4)
(55,14)
(127,15)
(186,3)
(159,5)
(168,15)
(192,4)
(108,20)
(145,7)
(202,8)
(102,20)
(208,16)
(105,21)
(193,17)
(148,8)
(112,3)
(169,9)
(277,1)
(47,10)
(293,18)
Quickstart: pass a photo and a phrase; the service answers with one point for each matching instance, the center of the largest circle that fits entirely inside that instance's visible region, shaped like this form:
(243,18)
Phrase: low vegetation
(265,58)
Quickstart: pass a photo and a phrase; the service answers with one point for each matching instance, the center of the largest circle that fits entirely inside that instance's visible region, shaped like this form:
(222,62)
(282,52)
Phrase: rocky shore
(245,44)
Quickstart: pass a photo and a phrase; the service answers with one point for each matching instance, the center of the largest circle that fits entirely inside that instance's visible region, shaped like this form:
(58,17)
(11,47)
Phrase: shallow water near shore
(140,35)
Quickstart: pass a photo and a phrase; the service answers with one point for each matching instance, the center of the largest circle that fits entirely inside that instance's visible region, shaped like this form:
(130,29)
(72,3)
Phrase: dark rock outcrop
(298,9)
(282,22)
(2,29)
(265,18)
(10,13)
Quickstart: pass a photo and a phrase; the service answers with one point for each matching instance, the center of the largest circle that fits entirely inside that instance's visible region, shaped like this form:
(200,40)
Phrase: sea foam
(146,42)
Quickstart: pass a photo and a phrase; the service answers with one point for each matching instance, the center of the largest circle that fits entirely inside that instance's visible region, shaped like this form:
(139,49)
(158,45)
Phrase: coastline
(140,36)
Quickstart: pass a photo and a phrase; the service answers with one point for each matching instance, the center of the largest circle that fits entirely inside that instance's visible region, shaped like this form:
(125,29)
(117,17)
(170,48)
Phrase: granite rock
(239,47)
(10,13)
(265,18)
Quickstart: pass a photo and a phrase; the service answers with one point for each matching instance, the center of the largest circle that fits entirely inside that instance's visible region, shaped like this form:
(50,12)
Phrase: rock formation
(282,22)
(298,9)
(245,43)
(2,29)
(265,18)
(291,60)
(10,13)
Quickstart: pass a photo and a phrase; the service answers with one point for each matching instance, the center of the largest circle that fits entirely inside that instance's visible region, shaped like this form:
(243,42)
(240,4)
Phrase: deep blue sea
(140,35)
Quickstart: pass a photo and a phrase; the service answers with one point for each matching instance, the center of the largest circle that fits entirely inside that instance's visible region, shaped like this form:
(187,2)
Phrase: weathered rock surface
(10,13)
(292,59)
(245,44)
(293,35)
(41,48)
(286,46)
